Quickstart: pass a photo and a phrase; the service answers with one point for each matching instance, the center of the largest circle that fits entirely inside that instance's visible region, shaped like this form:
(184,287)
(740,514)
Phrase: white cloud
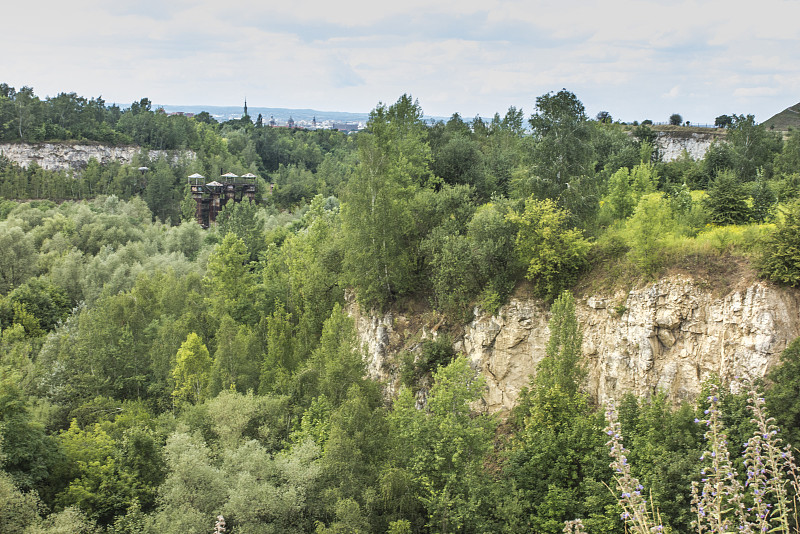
(631,57)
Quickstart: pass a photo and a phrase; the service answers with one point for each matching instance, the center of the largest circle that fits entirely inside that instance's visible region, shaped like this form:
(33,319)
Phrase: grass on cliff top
(718,258)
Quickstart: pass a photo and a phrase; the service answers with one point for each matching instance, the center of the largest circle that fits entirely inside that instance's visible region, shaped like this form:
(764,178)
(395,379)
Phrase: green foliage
(28,453)
(557,462)
(783,399)
(553,253)
(752,146)
(727,200)
(375,213)
(562,133)
(229,279)
(280,362)
(780,256)
(492,238)
(18,261)
(443,447)
(649,228)
(192,371)
(97,485)
(434,353)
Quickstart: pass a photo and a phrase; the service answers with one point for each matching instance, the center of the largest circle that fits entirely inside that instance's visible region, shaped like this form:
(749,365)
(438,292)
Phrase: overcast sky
(634,59)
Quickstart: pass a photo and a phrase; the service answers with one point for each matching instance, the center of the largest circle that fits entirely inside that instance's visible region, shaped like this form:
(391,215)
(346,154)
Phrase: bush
(553,253)
(780,257)
(651,225)
(435,352)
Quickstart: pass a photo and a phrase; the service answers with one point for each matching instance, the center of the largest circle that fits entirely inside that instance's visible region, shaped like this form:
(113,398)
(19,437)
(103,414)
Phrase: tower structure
(212,196)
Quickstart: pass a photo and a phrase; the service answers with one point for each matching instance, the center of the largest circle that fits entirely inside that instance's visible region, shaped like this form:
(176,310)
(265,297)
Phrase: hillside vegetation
(786,119)
(155,375)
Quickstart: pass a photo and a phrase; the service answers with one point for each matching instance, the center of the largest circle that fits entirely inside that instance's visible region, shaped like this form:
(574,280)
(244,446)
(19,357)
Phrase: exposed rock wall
(671,146)
(64,157)
(671,336)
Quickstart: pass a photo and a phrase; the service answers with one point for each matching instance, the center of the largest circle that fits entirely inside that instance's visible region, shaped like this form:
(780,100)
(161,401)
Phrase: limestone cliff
(670,335)
(65,156)
(672,144)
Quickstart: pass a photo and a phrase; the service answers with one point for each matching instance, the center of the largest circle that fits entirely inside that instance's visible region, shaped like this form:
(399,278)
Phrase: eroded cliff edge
(670,335)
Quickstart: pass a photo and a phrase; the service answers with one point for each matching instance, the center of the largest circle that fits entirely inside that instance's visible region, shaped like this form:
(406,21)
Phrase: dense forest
(158,377)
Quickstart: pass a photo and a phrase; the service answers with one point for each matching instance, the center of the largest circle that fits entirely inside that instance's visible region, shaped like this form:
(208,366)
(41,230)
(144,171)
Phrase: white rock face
(64,157)
(668,336)
(672,146)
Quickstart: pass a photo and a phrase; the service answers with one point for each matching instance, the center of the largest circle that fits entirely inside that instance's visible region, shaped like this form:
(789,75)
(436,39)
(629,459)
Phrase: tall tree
(558,462)
(375,214)
(752,145)
(192,371)
(562,135)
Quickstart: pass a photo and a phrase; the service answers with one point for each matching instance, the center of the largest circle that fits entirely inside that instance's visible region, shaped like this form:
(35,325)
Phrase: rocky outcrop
(65,157)
(671,145)
(667,336)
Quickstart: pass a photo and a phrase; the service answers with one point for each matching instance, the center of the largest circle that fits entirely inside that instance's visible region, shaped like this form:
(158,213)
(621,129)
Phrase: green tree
(237,358)
(763,199)
(752,145)
(552,252)
(192,371)
(97,486)
(726,200)
(242,219)
(620,198)
(18,260)
(562,142)
(723,121)
(788,161)
(194,490)
(780,253)
(675,119)
(375,213)
(491,236)
(557,461)
(649,229)
(783,395)
(230,281)
(280,362)
(562,366)
(444,448)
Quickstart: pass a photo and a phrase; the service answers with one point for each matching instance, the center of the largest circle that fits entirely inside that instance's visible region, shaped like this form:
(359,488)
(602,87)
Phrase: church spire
(245,108)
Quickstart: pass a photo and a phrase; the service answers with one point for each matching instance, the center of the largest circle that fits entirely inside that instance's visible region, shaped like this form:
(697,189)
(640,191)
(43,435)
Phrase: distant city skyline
(635,59)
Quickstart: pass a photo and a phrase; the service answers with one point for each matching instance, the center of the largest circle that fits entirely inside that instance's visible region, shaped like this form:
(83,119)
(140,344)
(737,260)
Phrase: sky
(634,59)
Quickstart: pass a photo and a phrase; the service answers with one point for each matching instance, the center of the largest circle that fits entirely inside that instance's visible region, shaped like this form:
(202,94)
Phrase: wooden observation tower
(212,196)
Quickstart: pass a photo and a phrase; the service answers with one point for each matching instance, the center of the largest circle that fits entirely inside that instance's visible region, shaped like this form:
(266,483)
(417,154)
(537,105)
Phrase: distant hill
(789,117)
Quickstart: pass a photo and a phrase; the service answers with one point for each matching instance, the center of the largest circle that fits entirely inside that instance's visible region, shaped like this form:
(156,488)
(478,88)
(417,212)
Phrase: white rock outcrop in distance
(65,157)
(668,336)
(672,146)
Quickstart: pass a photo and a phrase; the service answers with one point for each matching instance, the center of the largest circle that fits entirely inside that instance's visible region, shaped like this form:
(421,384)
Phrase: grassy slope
(789,117)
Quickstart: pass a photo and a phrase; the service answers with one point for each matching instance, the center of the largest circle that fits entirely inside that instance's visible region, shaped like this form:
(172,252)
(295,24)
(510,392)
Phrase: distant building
(345,126)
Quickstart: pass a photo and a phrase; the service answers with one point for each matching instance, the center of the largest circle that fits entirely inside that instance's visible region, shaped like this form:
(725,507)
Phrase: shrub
(780,257)
(435,352)
(553,253)
(649,228)
(727,200)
